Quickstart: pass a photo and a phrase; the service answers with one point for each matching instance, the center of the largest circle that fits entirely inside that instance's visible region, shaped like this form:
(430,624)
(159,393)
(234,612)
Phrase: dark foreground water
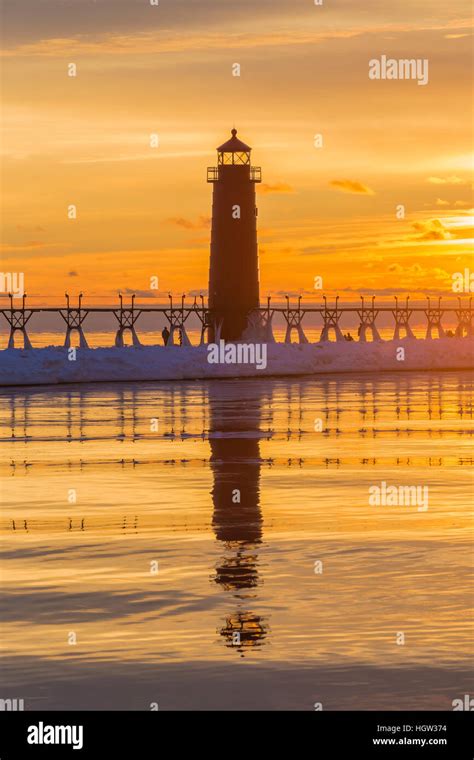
(212,544)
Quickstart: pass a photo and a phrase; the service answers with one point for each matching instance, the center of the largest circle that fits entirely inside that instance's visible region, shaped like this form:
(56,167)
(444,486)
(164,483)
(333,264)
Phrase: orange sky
(144,211)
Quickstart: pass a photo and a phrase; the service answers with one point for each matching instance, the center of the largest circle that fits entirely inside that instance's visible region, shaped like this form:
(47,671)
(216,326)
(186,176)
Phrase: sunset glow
(325,211)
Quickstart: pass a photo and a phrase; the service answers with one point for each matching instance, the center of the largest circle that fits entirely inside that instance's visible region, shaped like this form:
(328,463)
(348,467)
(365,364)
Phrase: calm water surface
(122,529)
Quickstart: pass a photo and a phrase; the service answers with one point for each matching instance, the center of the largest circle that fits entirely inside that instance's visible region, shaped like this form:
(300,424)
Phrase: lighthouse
(233,273)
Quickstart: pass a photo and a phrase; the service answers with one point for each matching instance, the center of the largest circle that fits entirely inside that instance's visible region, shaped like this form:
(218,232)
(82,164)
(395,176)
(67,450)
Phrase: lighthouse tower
(233,275)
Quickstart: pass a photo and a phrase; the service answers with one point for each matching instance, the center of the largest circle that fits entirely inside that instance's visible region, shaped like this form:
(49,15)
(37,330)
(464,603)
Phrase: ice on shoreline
(44,366)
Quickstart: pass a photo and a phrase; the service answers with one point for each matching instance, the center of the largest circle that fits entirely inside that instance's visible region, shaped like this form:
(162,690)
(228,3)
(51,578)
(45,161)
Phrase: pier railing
(260,320)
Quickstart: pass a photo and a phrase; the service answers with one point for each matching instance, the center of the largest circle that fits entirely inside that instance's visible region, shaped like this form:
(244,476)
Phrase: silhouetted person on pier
(165,334)
(348,336)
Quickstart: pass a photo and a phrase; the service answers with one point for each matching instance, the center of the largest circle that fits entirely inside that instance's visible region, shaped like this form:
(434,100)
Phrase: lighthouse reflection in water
(237,518)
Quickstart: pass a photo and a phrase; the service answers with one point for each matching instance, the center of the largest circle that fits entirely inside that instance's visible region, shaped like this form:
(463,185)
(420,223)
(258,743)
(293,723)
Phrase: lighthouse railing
(255,173)
(212,173)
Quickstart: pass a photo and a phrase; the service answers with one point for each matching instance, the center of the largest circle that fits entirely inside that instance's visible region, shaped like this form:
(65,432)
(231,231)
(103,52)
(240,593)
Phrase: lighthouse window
(241,158)
(234,158)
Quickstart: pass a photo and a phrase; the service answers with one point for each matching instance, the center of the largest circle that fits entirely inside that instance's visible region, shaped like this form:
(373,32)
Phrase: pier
(259,320)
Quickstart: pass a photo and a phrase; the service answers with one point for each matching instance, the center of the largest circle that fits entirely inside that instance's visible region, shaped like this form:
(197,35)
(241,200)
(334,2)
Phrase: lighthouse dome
(234,145)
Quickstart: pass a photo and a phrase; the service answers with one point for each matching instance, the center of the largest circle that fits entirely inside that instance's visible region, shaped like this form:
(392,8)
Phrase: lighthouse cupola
(234,151)
(233,274)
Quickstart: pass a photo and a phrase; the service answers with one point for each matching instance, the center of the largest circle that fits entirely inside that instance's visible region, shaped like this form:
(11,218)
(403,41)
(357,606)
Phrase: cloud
(26,246)
(202,223)
(351,186)
(125,23)
(278,187)
(146,42)
(28,228)
(414,269)
(138,293)
(149,156)
(433,229)
(392,291)
(446,180)
(292,293)
(454,204)
(441,274)
(90,18)
(338,246)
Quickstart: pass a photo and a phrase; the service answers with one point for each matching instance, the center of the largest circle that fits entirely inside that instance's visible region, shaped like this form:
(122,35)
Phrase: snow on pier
(147,363)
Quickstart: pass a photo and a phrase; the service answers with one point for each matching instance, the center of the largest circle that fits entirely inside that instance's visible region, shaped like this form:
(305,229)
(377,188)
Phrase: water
(122,531)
